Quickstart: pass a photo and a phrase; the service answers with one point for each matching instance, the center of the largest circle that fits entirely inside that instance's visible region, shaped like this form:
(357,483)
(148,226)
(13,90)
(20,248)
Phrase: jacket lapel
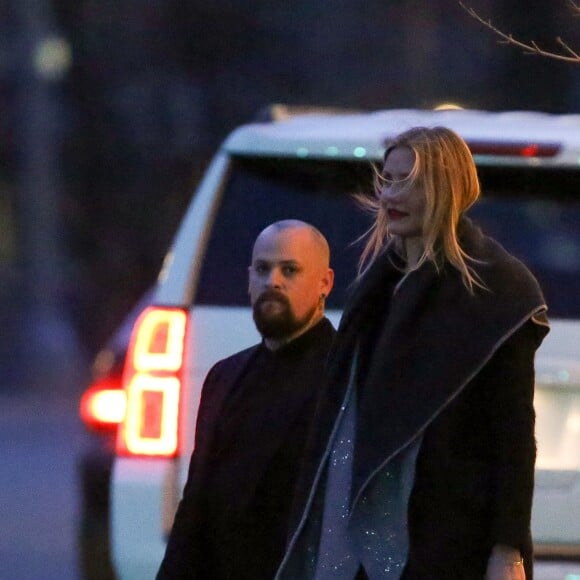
(436,338)
(218,385)
(361,309)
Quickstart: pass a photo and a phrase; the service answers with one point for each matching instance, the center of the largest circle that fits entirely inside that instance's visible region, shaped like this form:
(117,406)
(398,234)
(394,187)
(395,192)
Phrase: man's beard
(283,322)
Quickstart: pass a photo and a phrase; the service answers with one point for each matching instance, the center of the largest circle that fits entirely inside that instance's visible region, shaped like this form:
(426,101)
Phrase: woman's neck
(413,248)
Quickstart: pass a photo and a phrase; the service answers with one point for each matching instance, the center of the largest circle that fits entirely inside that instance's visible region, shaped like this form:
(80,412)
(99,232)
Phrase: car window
(534,213)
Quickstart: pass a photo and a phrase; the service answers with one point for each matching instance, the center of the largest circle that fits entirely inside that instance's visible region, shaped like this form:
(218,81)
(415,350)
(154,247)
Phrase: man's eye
(261,269)
(290,270)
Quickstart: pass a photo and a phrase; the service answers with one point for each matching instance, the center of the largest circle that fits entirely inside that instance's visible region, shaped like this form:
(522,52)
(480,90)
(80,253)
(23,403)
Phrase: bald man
(256,406)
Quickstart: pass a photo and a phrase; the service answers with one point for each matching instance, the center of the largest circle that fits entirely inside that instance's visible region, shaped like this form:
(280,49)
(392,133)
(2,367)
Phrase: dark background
(110,110)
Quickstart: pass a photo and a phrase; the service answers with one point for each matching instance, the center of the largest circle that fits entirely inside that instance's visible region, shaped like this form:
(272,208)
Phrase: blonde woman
(421,464)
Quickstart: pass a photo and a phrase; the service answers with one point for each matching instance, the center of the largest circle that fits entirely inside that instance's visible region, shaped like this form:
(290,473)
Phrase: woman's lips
(395,214)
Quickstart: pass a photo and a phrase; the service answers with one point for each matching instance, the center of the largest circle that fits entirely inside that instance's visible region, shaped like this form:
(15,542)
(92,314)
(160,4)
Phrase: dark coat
(258,545)
(457,370)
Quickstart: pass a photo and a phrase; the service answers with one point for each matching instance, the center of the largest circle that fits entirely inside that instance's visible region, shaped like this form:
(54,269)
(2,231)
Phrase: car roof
(363,135)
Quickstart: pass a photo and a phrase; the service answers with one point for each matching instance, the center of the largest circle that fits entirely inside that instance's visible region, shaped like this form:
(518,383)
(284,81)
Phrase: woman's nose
(389,193)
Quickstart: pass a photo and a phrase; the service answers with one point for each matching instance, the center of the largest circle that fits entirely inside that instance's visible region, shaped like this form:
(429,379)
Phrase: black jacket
(457,370)
(258,545)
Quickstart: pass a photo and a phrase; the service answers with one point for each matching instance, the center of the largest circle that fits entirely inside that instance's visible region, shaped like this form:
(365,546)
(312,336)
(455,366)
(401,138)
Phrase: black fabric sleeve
(182,554)
(181,551)
(512,426)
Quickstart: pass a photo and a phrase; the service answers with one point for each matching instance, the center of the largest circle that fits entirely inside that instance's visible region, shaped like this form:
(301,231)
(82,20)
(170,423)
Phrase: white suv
(305,166)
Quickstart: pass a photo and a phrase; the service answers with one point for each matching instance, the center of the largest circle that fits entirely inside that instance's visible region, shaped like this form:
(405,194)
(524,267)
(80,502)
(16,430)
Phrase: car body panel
(142,490)
(556,507)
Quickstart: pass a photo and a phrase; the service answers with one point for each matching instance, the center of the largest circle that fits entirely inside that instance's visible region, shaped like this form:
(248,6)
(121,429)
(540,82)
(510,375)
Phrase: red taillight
(514,149)
(152,383)
(102,405)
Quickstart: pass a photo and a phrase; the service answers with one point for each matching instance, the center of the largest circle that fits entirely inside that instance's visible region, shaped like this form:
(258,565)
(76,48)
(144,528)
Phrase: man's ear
(249,272)
(327,282)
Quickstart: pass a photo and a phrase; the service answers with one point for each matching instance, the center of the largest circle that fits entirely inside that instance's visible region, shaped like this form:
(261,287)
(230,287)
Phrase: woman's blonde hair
(445,170)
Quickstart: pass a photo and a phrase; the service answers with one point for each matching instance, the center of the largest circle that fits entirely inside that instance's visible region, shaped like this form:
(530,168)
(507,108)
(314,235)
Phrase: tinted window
(534,213)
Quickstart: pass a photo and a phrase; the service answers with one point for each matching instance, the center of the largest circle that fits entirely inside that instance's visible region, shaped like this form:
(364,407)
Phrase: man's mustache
(272,295)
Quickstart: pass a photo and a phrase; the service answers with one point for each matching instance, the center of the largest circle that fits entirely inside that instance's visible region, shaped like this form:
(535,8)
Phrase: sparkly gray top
(373,532)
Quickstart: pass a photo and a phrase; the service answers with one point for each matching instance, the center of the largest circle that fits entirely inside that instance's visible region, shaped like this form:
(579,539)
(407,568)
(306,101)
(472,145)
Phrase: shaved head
(318,240)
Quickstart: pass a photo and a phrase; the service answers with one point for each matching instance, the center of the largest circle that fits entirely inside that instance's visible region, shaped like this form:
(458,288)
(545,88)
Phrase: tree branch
(567,54)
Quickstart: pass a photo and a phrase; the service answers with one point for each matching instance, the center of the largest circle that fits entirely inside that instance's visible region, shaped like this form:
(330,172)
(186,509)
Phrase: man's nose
(275,278)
